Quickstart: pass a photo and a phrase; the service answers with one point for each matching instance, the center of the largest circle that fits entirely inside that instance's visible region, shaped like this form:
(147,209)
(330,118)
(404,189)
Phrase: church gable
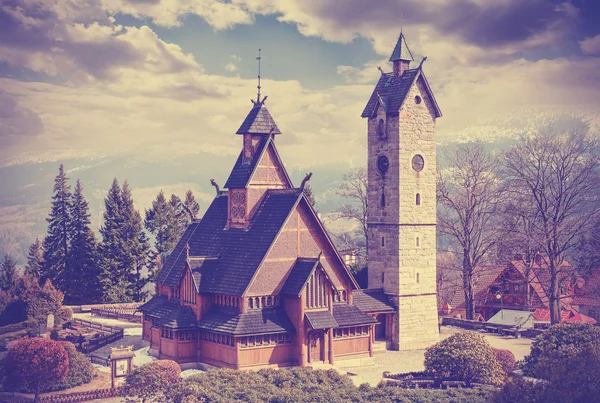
(269,171)
(302,236)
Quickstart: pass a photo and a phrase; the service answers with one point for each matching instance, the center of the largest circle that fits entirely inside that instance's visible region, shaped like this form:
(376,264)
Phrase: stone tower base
(416,323)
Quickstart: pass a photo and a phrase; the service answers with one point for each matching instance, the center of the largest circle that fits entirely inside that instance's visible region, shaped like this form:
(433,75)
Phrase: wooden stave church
(257,282)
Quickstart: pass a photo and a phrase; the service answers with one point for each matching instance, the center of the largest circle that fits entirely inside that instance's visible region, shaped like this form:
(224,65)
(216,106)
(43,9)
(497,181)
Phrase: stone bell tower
(401,191)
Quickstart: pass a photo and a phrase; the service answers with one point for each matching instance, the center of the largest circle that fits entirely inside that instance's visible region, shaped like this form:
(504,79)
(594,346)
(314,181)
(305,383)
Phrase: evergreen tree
(191,203)
(8,273)
(181,217)
(136,247)
(35,259)
(112,273)
(124,249)
(308,193)
(160,222)
(81,279)
(56,243)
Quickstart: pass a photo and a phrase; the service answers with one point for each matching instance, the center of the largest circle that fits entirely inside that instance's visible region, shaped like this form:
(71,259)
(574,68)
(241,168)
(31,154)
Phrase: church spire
(401,56)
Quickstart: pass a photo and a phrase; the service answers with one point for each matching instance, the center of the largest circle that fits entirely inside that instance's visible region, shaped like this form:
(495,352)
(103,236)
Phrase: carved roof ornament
(306,179)
(212,182)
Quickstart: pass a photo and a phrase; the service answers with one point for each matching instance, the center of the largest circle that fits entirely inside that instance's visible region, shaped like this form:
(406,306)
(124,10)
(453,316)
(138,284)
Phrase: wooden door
(316,347)
(380,327)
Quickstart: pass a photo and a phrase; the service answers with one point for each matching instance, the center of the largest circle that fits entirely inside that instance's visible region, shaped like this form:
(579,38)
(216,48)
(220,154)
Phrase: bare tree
(520,239)
(468,197)
(448,277)
(555,171)
(354,189)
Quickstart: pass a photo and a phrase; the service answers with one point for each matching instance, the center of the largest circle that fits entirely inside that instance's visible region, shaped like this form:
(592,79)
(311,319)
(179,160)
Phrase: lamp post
(499,296)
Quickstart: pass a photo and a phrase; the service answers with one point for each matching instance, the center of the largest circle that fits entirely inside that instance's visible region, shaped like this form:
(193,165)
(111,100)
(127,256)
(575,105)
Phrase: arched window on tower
(382,199)
(418,199)
(381,129)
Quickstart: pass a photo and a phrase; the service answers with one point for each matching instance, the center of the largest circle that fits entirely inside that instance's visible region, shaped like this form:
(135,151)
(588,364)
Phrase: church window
(251,303)
(418,199)
(381,129)
(418,100)
(418,278)
(181,335)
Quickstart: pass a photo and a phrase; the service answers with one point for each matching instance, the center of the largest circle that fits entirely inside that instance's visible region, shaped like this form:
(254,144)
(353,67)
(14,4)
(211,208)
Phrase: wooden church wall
(267,356)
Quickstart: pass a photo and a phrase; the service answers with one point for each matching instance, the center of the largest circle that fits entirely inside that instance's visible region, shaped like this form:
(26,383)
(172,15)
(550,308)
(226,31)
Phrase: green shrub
(81,369)
(66,314)
(560,341)
(506,359)
(569,379)
(300,385)
(464,356)
(54,335)
(152,381)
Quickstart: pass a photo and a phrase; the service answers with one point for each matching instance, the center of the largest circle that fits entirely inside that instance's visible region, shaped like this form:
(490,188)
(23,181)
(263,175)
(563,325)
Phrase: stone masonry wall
(402,235)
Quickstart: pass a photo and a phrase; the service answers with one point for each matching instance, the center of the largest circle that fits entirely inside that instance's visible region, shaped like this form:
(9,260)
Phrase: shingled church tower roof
(401,51)
(259,121)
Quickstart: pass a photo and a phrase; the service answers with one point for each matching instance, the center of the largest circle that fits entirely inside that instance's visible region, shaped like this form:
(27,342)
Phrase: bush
(66,314)
(81,369)
(506,359)
(35,365)
(464,356)
(152,381)
(54,335)
(560,341)
(299,385)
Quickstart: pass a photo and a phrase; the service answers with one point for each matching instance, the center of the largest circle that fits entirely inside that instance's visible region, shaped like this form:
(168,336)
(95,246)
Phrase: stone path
(408,361)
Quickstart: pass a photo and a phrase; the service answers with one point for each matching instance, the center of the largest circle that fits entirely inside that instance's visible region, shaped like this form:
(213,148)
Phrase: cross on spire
(258,86)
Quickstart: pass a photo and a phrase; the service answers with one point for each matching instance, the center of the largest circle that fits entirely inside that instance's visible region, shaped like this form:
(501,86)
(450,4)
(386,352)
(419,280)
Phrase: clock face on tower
(418,163)
(383,164)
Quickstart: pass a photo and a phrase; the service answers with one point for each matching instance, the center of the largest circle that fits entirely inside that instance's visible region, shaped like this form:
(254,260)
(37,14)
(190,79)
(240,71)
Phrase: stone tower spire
(401,56)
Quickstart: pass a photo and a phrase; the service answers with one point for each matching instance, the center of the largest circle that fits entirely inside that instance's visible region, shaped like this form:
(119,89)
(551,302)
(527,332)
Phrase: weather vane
(258,86)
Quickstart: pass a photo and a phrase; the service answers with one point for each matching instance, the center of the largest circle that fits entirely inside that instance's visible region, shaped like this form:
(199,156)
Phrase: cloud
(233,65)
(591,46)
(16,121)
(78,41)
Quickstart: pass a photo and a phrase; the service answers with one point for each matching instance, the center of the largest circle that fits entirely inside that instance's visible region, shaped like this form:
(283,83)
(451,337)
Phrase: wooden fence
(76,396)
(109,334)
(127,314)
(97,359)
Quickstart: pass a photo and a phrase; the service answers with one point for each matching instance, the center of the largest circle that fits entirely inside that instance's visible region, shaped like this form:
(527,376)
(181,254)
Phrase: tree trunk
(468,287)
(37,391)
(554,294)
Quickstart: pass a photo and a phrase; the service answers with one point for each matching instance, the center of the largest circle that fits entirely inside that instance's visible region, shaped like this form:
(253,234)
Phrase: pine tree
(8,273)
(81,281)
(166,220)
(110,248)
(191,203)
(35,259)
(308,193)
(124,249)
(136,246)
(56,243)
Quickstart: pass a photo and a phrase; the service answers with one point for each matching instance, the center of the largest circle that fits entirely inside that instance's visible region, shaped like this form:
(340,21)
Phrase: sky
(157,89)
(160,79)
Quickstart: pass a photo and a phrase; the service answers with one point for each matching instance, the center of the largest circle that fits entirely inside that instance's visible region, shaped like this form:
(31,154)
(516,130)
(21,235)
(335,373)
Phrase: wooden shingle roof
(239,251)
(242,172)
(299,275)
(321,320)
(259,121)
(349,315)
(372,301)
(393,90)
(168,314)
(230,321)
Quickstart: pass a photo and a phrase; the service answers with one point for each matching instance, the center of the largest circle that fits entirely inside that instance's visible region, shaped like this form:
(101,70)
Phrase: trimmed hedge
(506,359)
(299,385)
(560,341)
(465,356)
